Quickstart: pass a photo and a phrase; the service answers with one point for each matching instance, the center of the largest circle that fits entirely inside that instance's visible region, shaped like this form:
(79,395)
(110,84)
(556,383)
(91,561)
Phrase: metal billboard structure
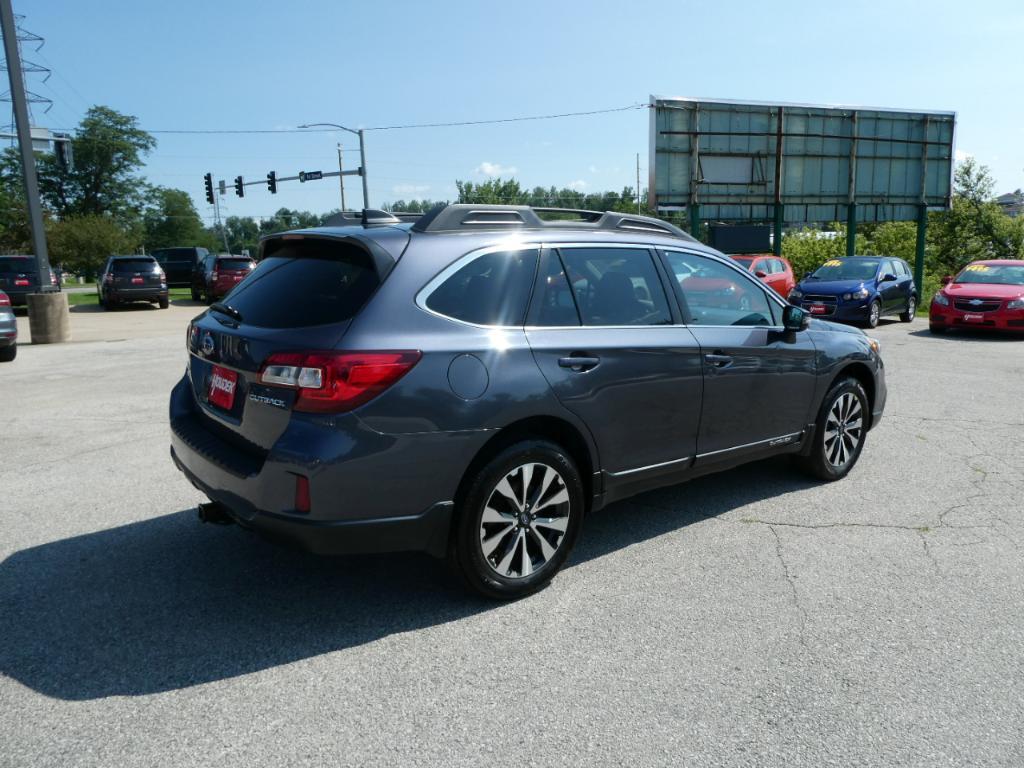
(800,164)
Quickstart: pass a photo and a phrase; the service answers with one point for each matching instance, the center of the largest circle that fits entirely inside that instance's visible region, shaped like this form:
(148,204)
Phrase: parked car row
(8,330)
(19,276)
(125,279)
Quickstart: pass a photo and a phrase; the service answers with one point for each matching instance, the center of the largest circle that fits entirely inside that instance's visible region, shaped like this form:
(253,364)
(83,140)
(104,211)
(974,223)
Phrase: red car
(217,274)
(773,271)
(987,294)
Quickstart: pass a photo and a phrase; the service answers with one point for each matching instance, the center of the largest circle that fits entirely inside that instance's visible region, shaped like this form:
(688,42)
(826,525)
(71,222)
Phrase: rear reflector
(334,382)
(4,300)
(302,503)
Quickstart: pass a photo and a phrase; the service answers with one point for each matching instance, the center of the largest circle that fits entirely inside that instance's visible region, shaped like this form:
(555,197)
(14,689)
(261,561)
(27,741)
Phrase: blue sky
(228,64)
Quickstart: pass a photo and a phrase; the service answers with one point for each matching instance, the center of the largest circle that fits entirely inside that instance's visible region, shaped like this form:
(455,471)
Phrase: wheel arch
(863,374)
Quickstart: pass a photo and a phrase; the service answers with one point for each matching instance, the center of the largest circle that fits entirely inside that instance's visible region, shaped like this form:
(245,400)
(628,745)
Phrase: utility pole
(638,183)
(48,310)
(220,224)
(341,178)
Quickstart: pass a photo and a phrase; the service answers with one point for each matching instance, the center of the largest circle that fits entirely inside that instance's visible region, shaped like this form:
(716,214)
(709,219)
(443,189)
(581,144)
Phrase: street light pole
(341,178)
(362,153)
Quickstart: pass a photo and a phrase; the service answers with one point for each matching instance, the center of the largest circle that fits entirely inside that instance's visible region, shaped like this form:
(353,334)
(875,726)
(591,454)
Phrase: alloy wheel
(844,429)
(524,520)
(875,314)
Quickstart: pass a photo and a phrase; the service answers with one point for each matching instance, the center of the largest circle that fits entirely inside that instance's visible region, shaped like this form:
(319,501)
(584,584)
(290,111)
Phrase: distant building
(1012,203)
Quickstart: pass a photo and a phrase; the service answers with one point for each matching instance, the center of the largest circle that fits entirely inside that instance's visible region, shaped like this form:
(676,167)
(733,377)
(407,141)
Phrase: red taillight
(333,382)
(5,301)
(302,503)
(53,278)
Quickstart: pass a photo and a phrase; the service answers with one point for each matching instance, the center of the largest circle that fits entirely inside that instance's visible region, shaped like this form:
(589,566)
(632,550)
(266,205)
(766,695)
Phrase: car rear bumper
(369,492)
(1011,320)
(136,294)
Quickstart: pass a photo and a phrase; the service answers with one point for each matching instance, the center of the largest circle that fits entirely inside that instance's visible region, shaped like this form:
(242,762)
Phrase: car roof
(119,257)
(1000,262)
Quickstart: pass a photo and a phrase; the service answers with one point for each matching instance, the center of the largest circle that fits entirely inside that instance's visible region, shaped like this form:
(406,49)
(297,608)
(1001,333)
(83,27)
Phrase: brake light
(334,382)
(4,300)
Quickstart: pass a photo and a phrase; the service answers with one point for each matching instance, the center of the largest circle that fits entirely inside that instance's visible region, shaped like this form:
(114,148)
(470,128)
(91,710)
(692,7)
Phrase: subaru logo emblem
(976,302)
(208,344)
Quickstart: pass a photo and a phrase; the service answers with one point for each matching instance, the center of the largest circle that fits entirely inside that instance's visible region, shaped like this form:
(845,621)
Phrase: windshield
(846,269)
(998,274)
(234,264)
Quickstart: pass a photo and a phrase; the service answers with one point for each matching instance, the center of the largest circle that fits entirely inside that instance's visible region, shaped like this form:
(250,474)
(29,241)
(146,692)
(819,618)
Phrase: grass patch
(91,299)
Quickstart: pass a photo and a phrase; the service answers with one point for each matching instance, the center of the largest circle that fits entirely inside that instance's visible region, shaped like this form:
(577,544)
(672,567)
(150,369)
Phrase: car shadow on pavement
(969,334)
(168,603)
(189,303)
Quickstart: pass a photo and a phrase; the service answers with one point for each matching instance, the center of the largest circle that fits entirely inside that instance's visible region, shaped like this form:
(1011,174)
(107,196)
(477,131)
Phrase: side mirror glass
(888,278)
(947,279)
(795,318)
(760,273)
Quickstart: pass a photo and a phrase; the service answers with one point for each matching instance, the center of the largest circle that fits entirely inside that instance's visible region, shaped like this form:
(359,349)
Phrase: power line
(215,131)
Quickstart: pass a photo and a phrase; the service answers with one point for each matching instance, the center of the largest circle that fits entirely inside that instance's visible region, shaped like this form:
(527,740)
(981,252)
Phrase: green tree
(808,249)
(243,234)
(108,151)
(82,243)
(171,219)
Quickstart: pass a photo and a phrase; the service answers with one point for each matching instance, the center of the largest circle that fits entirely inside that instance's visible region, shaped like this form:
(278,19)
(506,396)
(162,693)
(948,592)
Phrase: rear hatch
(142,274)
(18,274)
(230,272)
(301,297)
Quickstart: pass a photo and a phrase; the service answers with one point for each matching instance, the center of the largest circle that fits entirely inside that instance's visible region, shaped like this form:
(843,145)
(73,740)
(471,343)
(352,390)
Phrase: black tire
(818,463)
(466,550)
(8,353)
(908,316)
(164,302)
(874,313)
(938,330)
(195,294)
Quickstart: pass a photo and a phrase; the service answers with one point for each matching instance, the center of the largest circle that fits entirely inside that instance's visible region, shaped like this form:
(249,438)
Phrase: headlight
(875,345)
(940,298)
(1017,303)
(795,294)
(861,294)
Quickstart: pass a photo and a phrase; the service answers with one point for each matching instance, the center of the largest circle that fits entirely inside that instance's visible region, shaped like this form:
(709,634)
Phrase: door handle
(718,360)
(579,362)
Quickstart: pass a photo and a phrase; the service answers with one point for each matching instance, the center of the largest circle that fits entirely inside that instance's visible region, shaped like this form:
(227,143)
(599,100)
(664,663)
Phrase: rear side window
(17,265)
(308,282)
(616,286)
(492,289)
(133,265)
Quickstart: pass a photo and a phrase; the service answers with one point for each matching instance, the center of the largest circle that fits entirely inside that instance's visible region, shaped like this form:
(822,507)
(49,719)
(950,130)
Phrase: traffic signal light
(272,182)
(208,181)
(239,186)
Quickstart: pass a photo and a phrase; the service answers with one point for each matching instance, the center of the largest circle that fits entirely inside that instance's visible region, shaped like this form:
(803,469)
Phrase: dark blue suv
(473,384)
(859,290)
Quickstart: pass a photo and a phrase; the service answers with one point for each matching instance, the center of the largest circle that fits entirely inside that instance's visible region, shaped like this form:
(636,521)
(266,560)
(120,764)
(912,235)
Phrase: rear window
(17,265)
(133,265)
(233,263)
(492,289)
(308,282)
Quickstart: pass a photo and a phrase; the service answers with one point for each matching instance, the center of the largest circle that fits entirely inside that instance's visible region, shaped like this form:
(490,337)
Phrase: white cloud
(592,169)
(496,169)
(579,185)
(962,155)
(409,190)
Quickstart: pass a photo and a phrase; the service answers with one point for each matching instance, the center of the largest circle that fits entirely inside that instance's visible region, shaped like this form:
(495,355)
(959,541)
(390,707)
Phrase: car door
(890,291)
(759,379)
(604,334)
(906,281)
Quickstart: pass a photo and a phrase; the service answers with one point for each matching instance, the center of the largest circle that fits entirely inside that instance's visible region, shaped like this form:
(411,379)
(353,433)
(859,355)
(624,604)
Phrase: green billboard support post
(695,219)
(851,229)
(922,231)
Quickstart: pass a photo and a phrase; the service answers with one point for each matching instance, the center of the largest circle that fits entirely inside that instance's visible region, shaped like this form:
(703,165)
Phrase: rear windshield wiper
(224,309)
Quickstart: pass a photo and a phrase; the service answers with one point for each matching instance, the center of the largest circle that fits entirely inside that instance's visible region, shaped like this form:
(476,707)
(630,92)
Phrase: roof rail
(461,217)
(369,217)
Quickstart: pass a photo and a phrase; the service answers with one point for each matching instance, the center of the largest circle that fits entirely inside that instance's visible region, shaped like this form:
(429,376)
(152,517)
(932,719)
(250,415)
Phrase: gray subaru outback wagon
(475,382)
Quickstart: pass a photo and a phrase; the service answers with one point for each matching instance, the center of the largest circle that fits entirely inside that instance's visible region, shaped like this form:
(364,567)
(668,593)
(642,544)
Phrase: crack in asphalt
(792,587)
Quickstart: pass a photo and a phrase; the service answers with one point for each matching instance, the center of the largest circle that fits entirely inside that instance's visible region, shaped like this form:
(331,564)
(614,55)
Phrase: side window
(616,286)
(778,268)
(492,289)
(902,268)
(718,295)
(553,302)
(888,268)
(761,265)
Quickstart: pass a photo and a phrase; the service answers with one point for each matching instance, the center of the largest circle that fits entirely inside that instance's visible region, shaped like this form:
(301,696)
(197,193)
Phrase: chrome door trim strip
(625,472)
(771,441)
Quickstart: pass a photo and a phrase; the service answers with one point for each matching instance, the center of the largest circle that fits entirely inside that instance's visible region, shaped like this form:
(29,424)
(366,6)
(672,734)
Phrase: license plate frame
(223,386)
(137,281)
(818,309)
(974,317)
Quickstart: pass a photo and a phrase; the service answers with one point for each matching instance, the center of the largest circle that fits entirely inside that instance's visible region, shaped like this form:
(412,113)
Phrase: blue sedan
(859,290)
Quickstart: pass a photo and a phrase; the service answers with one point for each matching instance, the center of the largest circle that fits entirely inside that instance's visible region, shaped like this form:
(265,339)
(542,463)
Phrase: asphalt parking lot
(749,618)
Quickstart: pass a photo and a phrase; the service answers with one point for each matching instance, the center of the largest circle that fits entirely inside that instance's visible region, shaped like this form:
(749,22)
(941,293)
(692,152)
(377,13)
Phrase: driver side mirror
(760,273)
(947,279)
(887,278)
(795,318)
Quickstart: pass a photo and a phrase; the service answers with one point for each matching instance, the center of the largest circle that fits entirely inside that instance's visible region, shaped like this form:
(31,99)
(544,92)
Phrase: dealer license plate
(223,383)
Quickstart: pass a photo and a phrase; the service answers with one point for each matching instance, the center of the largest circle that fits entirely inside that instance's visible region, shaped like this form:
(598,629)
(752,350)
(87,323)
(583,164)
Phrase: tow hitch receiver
(215,513)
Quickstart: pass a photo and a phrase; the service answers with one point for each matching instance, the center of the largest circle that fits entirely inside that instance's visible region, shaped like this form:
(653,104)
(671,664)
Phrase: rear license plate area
(137,281)
(223,384)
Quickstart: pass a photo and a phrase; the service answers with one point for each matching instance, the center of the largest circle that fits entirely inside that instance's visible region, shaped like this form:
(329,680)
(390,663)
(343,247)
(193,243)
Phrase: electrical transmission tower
(28,68)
